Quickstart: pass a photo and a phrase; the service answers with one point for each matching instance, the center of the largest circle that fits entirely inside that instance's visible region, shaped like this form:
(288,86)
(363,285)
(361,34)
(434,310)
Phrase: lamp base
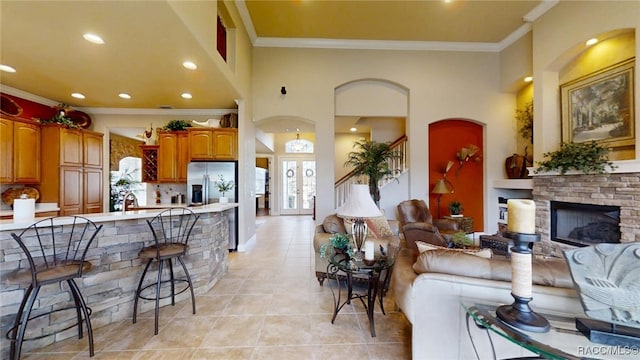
(520,316)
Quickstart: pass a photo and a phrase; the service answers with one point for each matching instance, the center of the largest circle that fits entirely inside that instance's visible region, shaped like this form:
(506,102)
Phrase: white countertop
(118,215)
(40,208)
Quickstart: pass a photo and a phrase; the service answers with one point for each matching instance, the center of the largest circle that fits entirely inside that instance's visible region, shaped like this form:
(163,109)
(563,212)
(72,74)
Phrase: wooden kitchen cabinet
(72,169)
(200,144)
(173,156)
(213,144)
(19,152)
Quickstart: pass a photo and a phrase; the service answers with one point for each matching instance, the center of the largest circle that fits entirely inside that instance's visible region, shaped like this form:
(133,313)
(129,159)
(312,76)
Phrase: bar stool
(55,250)
(171,231)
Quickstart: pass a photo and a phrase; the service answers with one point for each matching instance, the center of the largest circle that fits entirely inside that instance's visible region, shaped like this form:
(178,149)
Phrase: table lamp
(357,208)
(440,188)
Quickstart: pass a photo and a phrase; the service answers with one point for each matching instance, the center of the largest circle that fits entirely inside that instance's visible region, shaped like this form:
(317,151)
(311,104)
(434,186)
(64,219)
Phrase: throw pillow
(377,227)
(483,253)
(333,224)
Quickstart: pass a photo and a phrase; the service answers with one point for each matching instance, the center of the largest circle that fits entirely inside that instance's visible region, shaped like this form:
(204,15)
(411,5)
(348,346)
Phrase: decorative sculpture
(607,278)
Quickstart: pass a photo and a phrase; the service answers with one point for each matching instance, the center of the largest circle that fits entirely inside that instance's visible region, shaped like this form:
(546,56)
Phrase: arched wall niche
(446,138)
(380,101)
(578,61)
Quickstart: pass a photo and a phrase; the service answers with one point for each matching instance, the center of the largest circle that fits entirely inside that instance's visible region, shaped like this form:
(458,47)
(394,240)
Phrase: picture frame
(600,107)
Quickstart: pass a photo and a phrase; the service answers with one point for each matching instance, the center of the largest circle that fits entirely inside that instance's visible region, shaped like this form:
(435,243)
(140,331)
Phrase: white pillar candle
(522,216)
(368,250)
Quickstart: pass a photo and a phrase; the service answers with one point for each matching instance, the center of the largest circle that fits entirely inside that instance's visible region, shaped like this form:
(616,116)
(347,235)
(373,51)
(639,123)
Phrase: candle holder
(519,314)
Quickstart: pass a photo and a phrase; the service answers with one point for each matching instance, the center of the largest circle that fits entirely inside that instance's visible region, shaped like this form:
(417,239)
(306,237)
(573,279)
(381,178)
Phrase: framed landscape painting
(600,107)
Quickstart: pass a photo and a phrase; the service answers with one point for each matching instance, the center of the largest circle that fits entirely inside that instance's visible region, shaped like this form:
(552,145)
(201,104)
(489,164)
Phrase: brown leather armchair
(417,224)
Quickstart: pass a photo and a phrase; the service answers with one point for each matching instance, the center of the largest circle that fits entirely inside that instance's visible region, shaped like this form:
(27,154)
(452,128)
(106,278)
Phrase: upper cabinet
(173,156)
(213,144)
(19,152)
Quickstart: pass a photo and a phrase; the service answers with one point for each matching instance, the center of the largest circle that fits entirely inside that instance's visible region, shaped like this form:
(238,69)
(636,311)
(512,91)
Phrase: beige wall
(438,85)
(558,38)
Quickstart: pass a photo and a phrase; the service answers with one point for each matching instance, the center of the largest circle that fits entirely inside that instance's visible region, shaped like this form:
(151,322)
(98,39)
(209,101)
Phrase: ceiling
(147,41)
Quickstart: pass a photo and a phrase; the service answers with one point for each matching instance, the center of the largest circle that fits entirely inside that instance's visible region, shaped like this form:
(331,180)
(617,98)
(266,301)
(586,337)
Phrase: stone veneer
(109,287)
(616,189)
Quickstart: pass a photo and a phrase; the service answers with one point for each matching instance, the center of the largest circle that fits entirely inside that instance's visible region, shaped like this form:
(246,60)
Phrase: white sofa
(432,303)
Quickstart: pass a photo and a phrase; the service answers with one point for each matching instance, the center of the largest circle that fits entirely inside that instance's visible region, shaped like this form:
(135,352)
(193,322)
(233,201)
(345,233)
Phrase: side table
(464,222)
(351,267)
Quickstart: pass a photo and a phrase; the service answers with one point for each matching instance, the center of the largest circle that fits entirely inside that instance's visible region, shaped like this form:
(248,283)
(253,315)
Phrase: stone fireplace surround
(616,189)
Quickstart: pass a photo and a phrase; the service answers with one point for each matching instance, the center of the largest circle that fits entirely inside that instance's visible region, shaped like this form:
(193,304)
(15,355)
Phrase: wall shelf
(525,184)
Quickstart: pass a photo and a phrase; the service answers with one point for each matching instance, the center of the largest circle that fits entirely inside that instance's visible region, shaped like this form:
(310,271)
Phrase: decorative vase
(224,200)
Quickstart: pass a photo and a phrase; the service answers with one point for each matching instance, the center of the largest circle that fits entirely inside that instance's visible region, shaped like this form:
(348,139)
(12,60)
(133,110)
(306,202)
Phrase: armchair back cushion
(413,211)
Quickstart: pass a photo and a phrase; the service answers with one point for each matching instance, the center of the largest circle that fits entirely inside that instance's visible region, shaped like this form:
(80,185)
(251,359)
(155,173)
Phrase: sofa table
(562,341)
(350,266)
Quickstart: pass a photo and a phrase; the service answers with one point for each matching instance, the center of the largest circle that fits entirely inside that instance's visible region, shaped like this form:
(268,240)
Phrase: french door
(298,179)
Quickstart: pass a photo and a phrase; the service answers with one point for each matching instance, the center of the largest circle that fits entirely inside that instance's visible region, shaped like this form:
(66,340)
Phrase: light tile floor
(268,306)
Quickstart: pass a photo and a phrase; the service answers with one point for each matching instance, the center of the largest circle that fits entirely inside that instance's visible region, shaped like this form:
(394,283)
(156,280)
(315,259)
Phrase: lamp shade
(441,187)
(359,204)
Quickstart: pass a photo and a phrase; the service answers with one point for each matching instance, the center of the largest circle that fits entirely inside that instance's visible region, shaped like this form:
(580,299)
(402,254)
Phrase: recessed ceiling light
(93,38)
(528,79)
(189,65)
(186,96)
(7,68)
(353,129)
(77,96)
(592,41)
(124,96)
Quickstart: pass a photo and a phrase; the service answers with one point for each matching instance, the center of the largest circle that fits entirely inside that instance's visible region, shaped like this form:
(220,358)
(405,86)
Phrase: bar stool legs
(158,286)
(17,333)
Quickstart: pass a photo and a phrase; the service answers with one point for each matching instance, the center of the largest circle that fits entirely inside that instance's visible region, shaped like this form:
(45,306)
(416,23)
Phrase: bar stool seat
(171,230)
(55,250)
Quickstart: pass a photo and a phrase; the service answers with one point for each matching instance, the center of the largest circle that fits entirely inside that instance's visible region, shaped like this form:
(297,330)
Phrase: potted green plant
(175,125)
(223,186)
(460,240)
(455,207)
(371,158)
(339,242)
(586,157)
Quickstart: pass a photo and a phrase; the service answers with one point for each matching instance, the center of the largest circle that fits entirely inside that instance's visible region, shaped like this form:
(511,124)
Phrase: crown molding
(28,96)
(318,43)
(375,44)
(149,111)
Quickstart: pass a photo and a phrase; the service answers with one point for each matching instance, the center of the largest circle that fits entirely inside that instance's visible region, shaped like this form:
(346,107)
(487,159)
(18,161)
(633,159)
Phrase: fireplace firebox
(584,224)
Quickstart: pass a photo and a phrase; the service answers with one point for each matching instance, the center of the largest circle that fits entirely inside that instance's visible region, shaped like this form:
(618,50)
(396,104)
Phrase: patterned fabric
(483,253)
(333,224)
(378,227)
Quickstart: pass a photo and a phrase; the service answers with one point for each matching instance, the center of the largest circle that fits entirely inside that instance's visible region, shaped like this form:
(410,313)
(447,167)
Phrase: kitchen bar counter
(109,287)
(149,212)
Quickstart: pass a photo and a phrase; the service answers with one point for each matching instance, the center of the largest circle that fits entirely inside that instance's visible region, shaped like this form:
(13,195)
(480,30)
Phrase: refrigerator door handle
(205,189)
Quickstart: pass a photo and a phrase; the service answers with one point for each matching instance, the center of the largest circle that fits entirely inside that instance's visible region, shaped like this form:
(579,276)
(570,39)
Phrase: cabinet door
(70,147)
(6,151)
(167,160)
(92,149)
(225,144)
(92,191)
(26,141)
(182,156)
(71,190)
(201,144)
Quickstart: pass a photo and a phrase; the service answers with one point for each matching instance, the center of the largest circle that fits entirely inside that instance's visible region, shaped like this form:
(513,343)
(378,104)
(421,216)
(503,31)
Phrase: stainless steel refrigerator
(201,189)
